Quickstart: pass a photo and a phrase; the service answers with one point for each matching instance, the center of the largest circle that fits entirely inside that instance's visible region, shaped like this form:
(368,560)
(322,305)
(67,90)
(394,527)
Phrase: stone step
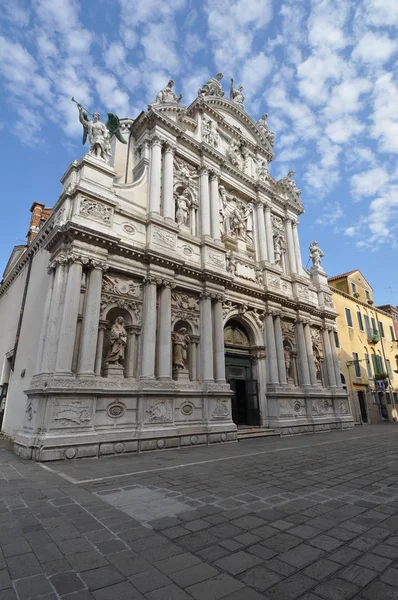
(245,433)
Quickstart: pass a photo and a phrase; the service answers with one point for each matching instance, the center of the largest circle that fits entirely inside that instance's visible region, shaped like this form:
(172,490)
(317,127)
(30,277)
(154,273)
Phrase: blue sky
(325,71)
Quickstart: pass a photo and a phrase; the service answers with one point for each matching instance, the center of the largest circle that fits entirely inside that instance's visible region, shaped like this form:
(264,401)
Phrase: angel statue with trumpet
(99,134)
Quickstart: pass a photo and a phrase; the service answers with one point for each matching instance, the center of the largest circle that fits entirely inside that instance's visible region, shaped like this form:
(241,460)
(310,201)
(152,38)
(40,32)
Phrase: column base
(87,375)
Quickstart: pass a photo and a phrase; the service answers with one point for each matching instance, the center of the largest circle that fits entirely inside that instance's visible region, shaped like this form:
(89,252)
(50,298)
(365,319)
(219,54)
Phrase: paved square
(310,517)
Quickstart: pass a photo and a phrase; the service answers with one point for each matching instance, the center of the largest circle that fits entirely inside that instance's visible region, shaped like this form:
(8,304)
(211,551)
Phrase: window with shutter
(360,322)
(348,317)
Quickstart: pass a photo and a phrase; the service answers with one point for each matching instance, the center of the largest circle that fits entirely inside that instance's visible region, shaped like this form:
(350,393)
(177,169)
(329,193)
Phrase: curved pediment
(235,119)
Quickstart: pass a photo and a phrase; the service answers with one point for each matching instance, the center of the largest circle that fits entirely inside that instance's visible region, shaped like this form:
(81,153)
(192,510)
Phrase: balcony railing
(373,336)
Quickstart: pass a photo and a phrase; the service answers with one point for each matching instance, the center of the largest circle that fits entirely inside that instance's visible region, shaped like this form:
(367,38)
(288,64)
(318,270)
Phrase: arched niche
(110,318)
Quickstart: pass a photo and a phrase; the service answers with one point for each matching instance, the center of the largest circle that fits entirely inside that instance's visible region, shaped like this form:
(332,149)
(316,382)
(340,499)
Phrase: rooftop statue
(236,95)
(99,134)
(264,129)
(316,254)
(212,87)
(167,95)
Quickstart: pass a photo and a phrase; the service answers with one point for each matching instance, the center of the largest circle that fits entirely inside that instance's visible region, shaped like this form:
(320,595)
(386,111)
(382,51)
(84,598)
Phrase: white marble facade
(187,242)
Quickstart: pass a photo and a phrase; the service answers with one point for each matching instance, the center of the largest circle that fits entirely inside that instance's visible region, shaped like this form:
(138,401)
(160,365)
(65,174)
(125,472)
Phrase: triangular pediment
(234,119)
(15,255)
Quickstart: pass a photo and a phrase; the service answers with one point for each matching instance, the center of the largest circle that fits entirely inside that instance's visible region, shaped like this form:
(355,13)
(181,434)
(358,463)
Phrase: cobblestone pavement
(311,517)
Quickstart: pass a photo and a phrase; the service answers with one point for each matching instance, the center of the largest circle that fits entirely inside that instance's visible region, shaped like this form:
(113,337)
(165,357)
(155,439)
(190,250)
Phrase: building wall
(30,341)
(196,236)
(354,340)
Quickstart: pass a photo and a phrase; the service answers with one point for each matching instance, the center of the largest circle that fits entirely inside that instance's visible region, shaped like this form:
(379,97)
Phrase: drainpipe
(25,293)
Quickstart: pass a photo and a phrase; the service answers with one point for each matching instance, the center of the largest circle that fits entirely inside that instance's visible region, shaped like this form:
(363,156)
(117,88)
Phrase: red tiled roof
(342,275)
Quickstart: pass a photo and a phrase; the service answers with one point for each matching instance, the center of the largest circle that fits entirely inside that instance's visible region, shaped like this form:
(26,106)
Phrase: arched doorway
(238,373)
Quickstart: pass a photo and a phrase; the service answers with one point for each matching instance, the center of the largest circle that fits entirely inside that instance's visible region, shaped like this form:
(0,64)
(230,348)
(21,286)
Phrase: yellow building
(367,348)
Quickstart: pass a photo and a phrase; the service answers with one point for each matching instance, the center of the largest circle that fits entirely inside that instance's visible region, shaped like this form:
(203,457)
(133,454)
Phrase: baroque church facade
(166,304)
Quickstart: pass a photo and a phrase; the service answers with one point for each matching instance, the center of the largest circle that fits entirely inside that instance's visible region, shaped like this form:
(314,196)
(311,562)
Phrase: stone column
(131,352)
(219,352)
(204,205)
(279,349)
(328,358)
(148,336)
(271,348)
(296,242)
(310,354)
(164,342)
(335,358)
(50,344)
(269,233)
(88,344)
(206,338)
(100,347)
(262,240)
(290,246)
(168,199)
(302,354)
(214,206)
(193,358)
(155,174)
(70,311)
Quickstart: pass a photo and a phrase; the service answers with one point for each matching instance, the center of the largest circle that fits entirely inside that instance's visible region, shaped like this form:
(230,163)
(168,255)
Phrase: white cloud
(375,48)
(343,129)
(232,25)
(350,231)
(332,213)
(369,183)
(385,116)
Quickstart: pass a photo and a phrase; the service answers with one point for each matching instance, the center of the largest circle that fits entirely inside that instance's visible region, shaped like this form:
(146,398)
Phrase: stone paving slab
(309,518)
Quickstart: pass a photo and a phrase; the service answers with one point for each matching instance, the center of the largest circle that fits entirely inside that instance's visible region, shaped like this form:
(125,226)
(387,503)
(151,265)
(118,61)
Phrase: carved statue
(238,153)
(210,133)
(183,203)
(264,129)
(231,263)
(212,87)
(259,275)
(167,95)
(235,217)
(238,220)
(180,346)
(316,254)
(288,360)
(279,248)
(236,95)
(99,134)
(118,342)
(262,170)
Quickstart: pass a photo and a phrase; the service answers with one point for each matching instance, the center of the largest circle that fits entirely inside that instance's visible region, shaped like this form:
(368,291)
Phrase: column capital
(73,257)
(152,280)
(103,324)
(156,140)
(287,219)
(267,205)
(169,147)
(203,170)
(98,264)
(294,221)
(214,175)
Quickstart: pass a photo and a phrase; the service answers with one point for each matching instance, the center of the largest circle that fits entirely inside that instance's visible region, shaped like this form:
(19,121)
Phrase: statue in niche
(316,254)
(279,248)
(238,153)
(288,360)
(239,220)
(235,218)
(212,87)
(180,348)
(167,95)
(236,95)
(183,204)
(118,342)
(210,133)
(232,265)
(264,129)
(262,171)
(99,134)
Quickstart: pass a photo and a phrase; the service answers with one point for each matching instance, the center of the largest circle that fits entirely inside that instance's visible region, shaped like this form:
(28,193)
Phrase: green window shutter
(348,317)
(374,363)
(367,324)
(389,370)
(356,364)
(368,365)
